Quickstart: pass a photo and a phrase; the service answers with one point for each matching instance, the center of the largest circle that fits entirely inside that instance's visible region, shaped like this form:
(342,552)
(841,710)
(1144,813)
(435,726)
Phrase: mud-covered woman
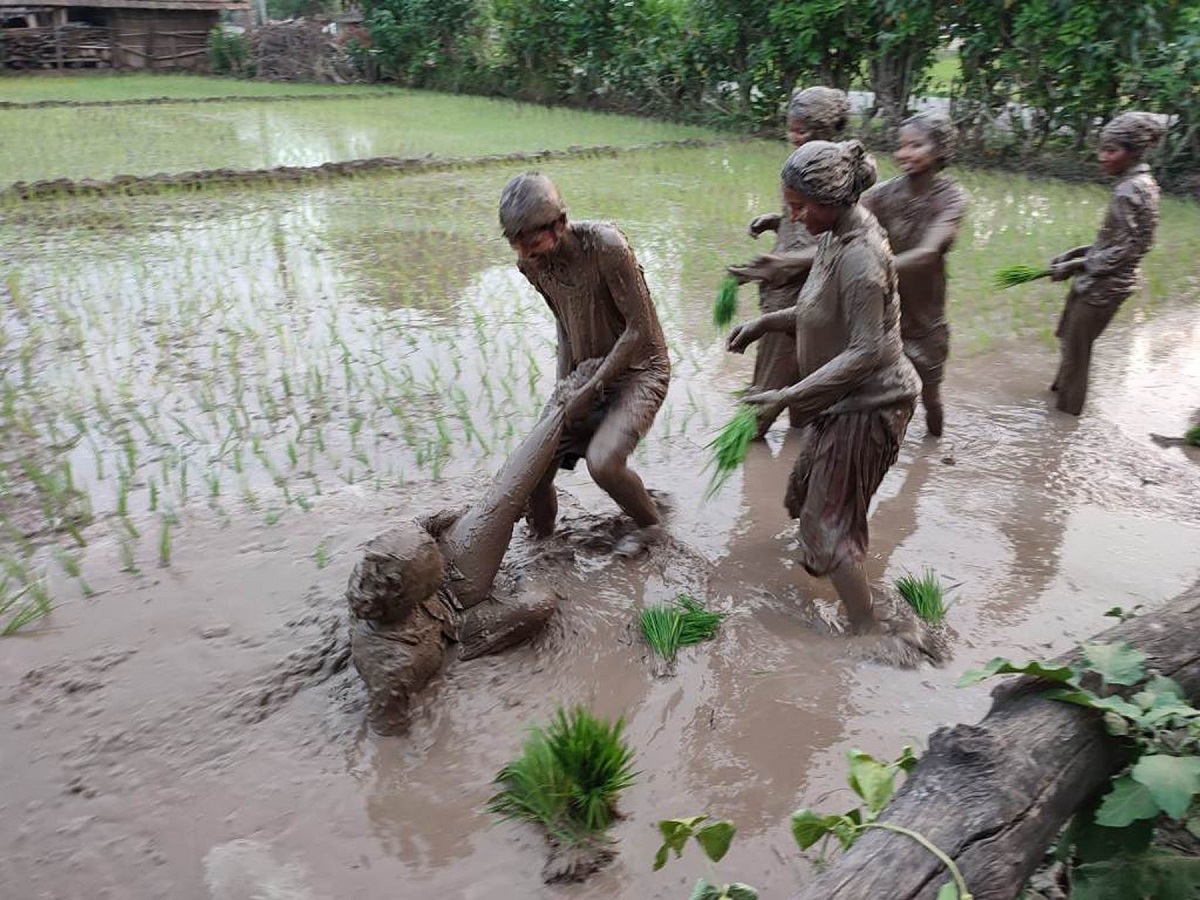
(855,390)
(921,210)
(813,114)
(607,327)
(1106,271)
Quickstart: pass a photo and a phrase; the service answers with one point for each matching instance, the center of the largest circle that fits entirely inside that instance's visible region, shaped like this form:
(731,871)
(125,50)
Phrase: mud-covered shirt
(921,229)
(1112,263)
(597,292)
(848,325)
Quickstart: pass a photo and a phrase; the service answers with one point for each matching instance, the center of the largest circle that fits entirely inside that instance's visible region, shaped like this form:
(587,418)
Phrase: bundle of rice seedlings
(729,448)
(1009,276)
(662,627)
(682,622)
(726,305)
(924,594)
(568,777)
(696,623)
(1192,436)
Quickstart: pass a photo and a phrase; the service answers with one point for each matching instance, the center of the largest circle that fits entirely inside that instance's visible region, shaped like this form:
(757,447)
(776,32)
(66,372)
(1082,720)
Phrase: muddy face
(1115,159)
(917,153)
(817,217)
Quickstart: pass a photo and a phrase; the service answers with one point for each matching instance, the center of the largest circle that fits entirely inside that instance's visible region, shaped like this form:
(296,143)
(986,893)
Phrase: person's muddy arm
(1073,253)
(765,222)
(864,295)
(776,269)
(623,277)
(1131,241)
(937,240)
(742,336)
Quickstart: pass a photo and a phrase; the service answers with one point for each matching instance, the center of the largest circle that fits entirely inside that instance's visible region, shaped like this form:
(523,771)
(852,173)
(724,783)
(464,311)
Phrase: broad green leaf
(1159,692)
(715,839)
(738,891)
(675,833)
(907,760)
(705,891)
(1002,666)
(872,780)
(1171,780)
(1118,663)
(809,827)
(846,830)
(1127,802)
(948,891)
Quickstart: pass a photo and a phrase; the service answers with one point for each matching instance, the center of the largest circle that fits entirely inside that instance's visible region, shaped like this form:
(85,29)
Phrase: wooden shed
(121,34)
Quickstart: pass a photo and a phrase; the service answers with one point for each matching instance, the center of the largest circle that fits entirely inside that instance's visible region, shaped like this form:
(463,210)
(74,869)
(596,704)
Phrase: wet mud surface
(196,732)
(161,101)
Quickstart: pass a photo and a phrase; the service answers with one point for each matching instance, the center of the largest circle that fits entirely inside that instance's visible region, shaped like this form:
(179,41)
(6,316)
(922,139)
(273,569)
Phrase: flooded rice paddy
(210,400)
(102,142)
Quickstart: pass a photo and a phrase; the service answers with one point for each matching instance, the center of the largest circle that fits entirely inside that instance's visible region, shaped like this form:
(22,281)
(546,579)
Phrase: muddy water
(191,731)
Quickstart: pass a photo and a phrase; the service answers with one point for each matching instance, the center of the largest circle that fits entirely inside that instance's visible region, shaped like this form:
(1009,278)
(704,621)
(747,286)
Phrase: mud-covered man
(606,321)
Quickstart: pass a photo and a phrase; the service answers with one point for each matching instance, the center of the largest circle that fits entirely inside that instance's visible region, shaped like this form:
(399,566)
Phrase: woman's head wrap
(825,111)
(1135,131)
(832,174)
(529,201)
(940,129)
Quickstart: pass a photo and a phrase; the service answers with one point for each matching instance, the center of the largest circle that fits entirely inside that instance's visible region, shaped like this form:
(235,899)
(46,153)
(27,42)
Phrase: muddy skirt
(623,415)
(842,460)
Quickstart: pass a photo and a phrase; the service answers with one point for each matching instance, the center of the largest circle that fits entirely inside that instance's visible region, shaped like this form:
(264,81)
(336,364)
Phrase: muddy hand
(765,222)
(770,403)
(742,337)
(579,404)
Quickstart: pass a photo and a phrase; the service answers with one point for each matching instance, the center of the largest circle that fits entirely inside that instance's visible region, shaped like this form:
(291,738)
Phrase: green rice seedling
(924,594)
(1192,436)
(727,300)
(164,543)
(568,777)
(22,606)
(662,627)
(1010,276)
(697,623)
(729,448)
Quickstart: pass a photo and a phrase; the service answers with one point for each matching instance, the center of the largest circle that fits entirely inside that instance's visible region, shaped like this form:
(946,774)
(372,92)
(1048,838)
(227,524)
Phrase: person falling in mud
(589,277)
(921,211)
(816,113)
(855,391)
(1106,271)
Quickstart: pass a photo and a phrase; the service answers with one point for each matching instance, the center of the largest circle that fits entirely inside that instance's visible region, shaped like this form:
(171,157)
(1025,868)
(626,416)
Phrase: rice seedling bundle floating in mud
(680,623)
(729,448)
(568,778)
(924,594)
(1192,437)
(726,306)
(1010,276)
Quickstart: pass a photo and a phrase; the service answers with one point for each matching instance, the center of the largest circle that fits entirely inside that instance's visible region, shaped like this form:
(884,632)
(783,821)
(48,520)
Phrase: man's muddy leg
(1081,326)
(606,456)
(931,399)
(543,504)
(854,590)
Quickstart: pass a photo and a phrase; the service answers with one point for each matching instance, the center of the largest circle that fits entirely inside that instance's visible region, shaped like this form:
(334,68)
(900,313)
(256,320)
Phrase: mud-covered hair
(529,201)
(1136,131)
(824,111)
(940,129)
(835,174)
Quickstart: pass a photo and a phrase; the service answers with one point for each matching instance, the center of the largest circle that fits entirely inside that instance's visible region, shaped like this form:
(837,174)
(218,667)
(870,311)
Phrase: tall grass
(568,777)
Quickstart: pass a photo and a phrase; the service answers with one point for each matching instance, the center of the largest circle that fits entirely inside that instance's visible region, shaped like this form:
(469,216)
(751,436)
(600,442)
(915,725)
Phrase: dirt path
(194,732)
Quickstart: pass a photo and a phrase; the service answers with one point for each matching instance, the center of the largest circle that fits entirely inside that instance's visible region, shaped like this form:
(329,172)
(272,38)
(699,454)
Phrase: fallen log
(993,796)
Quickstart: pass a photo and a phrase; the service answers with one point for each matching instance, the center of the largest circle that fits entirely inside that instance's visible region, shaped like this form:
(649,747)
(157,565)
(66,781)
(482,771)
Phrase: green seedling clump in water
(729,448)
(681,623)
(1010,276)
(1193,436)
(568,777)
(924,594)
(726,305)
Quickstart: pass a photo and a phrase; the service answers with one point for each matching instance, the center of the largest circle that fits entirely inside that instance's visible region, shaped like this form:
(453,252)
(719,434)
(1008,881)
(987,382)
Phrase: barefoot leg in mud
(629,416)
(543,505)
(854,590)
(931,399)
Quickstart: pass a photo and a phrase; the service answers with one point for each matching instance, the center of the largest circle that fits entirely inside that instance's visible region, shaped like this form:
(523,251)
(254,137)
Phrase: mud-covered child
(607,327)
(1106,271)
